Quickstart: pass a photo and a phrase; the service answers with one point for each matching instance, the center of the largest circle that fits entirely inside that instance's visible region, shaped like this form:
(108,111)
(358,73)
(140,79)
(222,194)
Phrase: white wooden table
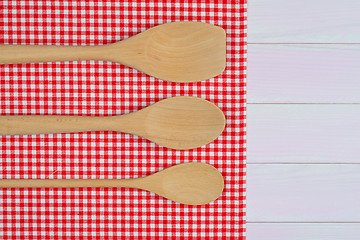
(303,120)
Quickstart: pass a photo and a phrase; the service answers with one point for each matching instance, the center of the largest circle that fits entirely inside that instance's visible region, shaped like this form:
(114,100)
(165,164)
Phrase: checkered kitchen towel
(97,88)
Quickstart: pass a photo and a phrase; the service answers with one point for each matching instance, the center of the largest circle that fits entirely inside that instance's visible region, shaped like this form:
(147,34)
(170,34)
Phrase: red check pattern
(97,88)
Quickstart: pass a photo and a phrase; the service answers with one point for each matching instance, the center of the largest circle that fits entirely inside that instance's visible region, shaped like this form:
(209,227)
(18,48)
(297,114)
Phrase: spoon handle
(39,124)
(13,54)
(66,183)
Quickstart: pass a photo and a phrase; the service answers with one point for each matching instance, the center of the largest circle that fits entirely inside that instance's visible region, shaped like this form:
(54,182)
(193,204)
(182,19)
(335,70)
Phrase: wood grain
(175,183)
(182,122)
(303,192)
(303,133)
(305,73)
(303,231)
(178,52)
(308,21)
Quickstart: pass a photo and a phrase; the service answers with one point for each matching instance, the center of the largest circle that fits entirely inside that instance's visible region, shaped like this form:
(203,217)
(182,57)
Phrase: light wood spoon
(187,183)
(177,52)
(178,123)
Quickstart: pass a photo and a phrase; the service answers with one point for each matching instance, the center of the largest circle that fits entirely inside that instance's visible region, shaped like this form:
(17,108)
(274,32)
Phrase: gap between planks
(302,222)
(299,103)
(300,43)
(318,163)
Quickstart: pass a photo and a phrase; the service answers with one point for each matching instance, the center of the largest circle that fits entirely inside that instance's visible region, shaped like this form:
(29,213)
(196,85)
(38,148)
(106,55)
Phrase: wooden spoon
(187,183)
(178,123)
(177,52)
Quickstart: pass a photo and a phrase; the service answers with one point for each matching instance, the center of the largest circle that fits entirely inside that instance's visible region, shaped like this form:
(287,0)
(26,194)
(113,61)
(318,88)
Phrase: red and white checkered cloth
(103,88)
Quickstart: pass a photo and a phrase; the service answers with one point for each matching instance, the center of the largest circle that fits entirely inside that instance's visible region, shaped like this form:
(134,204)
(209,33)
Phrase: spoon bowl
(177,52)
(182,122)
(187,183)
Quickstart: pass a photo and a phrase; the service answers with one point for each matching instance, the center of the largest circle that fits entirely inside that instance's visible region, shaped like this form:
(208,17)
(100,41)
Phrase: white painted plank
(303,231)
(303,133)
(304,73)
(303,192)
(307,21)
